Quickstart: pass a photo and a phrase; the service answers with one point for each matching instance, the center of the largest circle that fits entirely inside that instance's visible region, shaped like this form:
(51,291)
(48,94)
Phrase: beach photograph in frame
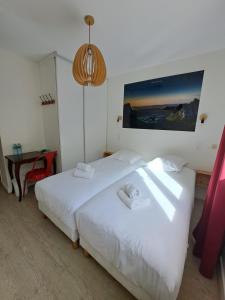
(166,103)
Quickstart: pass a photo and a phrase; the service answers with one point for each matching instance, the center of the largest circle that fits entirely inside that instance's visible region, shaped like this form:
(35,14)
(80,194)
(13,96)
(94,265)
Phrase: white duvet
(64,193)
(148,245)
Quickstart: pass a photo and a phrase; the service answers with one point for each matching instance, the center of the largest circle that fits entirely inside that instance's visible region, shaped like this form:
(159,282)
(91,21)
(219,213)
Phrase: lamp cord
(89,33)
(89,64)
(84,129)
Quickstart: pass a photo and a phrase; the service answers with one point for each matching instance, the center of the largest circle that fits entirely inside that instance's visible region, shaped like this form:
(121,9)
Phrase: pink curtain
(210,231)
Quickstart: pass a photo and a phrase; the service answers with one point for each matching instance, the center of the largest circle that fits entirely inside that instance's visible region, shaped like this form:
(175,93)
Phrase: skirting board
(222,278)
(6,188)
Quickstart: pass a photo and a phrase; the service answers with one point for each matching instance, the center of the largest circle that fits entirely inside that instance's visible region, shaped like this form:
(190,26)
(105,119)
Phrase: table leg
(54,166)
(10,169)
(17,175)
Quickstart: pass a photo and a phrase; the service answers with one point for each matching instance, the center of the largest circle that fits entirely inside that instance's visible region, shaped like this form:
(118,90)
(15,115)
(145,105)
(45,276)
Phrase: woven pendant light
(89,65)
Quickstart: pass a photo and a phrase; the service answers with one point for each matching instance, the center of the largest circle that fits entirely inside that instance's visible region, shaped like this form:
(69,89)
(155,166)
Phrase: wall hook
(47,99)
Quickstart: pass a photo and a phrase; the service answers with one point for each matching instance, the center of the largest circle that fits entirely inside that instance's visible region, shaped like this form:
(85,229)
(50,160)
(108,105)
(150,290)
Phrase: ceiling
(131,34)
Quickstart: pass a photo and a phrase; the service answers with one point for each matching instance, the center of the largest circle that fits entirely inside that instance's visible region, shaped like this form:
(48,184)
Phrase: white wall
(70,109)
(50,112)
(63,122)
(196,146)
(95,121)
(20,109)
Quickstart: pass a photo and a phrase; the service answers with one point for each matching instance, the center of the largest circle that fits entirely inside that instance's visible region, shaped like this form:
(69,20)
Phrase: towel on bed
(84,167)
(131,191)
(134,203)
(84,174)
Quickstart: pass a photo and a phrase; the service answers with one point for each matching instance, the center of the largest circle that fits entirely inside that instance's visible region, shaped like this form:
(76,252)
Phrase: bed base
(138,292)
(86,253)
(72,234)
(75,244)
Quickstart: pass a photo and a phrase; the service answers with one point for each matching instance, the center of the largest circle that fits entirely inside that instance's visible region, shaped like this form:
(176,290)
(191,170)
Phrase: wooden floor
(38,262)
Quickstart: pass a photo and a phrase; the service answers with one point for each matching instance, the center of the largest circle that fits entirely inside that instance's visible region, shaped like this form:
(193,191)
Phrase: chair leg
(24,187)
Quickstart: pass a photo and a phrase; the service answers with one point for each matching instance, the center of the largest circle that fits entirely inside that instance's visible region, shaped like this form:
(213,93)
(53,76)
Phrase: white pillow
(169,163)
(127,156)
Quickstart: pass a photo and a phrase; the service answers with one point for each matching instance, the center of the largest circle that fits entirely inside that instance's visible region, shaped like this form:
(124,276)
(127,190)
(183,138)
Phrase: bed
(145,249)
(59,196)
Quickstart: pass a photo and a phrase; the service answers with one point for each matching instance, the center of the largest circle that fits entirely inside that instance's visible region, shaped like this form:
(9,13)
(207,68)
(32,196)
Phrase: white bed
(143,249)
(59,196)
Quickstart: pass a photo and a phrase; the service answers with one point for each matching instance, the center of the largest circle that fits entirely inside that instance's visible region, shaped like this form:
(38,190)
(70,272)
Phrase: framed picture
(167,103)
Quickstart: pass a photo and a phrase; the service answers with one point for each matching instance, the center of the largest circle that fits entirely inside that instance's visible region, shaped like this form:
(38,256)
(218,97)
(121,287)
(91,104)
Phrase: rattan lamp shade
(89,66)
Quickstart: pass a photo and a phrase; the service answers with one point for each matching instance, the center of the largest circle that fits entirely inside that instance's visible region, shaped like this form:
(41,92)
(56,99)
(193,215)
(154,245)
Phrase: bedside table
(201,185)
(107,153)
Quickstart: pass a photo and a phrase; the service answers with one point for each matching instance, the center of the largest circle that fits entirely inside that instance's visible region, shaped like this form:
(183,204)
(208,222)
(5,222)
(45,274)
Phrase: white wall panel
(50,112)
(70,109)
(95,121)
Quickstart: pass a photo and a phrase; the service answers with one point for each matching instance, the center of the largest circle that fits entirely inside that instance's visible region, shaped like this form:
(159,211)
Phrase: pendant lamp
(89,66)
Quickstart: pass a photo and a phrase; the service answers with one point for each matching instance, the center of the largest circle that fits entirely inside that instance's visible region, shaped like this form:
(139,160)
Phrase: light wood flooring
(37,261)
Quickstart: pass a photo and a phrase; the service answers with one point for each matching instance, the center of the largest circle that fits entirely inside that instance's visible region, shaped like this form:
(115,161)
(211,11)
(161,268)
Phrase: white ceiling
(131,33)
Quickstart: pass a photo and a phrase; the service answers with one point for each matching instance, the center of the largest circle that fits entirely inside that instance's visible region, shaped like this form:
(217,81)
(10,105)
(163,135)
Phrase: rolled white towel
(131,191)
(133,203)
(84,167)
(84,174)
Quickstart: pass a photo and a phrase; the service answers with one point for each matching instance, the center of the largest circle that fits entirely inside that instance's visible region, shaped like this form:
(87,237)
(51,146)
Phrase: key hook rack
(47,99)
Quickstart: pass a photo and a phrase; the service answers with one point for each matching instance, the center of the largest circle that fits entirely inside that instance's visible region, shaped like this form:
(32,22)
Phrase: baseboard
(6,188)
(222,278)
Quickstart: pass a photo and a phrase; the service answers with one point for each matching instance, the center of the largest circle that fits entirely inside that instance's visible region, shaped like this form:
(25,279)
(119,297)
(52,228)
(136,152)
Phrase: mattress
(59,196)
(148,246)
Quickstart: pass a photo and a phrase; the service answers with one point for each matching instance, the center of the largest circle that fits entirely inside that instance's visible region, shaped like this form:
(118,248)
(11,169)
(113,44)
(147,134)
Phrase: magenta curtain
(210,231)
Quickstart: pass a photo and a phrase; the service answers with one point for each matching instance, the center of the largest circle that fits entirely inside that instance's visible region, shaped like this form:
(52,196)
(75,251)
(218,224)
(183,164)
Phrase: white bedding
(148,246)
(62,194)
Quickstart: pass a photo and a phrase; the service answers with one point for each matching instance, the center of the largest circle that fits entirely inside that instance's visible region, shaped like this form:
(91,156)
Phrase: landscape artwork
(167,103)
